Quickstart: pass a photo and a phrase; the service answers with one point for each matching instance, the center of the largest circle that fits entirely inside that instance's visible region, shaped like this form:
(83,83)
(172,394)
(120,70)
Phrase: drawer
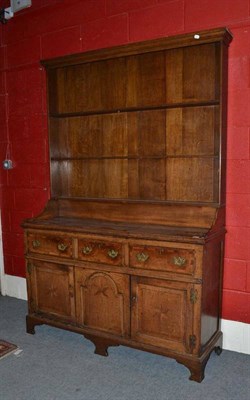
(163,259)
(100,251)
(54,245)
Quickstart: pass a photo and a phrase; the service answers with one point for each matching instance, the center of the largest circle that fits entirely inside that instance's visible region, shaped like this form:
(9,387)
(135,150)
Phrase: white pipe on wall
(2,274)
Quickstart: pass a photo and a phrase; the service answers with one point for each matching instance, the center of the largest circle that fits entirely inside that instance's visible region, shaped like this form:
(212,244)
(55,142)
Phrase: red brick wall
(52,28)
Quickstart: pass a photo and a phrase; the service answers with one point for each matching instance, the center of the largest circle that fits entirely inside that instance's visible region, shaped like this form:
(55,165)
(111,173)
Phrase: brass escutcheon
(142,257)
(112,253)
(62,246)
(179,261)
(87,250)
(36,244)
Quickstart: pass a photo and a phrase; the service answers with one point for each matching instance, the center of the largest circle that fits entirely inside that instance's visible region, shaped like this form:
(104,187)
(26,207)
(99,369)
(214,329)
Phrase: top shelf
(147,82)
(191,39)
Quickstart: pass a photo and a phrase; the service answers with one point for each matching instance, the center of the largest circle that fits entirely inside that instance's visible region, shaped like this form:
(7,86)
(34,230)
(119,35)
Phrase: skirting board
(14,286)
(236,335)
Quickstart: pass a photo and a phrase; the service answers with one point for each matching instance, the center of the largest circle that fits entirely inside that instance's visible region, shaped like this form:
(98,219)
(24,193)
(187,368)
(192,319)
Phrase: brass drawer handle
(62,246)
(142,257)
(87,250)
(179,261)
(36,244)
(113,253)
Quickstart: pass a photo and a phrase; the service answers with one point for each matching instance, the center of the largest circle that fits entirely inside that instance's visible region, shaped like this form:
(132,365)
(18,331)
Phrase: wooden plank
(190,179)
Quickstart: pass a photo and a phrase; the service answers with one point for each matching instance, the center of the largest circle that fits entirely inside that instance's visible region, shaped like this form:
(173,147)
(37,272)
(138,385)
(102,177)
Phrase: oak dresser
(129,249)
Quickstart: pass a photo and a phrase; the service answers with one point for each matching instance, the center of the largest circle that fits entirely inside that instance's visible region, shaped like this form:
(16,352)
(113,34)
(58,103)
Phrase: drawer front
(163,259)
(54,245)
(100,252)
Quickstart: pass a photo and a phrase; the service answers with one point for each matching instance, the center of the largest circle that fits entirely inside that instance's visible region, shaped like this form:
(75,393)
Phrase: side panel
(211,290)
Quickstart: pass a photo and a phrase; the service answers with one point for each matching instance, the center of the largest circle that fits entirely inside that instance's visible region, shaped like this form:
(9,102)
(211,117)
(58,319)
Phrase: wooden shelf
(134,157)
(136,109)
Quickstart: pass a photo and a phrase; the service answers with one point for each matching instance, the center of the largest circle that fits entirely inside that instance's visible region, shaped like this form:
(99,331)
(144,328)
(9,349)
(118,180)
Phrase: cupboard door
(51,289)
(163,313)
(102,301)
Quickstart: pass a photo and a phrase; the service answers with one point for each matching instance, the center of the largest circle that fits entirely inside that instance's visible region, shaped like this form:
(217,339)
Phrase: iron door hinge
(192,341)
(29,267)
(193,296)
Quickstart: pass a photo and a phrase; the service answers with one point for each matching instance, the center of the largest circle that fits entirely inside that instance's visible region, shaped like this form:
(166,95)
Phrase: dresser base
(102,341)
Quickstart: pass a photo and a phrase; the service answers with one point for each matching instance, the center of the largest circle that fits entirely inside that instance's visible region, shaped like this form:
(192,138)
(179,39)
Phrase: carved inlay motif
(52,291)
(101,290)
(162,311)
